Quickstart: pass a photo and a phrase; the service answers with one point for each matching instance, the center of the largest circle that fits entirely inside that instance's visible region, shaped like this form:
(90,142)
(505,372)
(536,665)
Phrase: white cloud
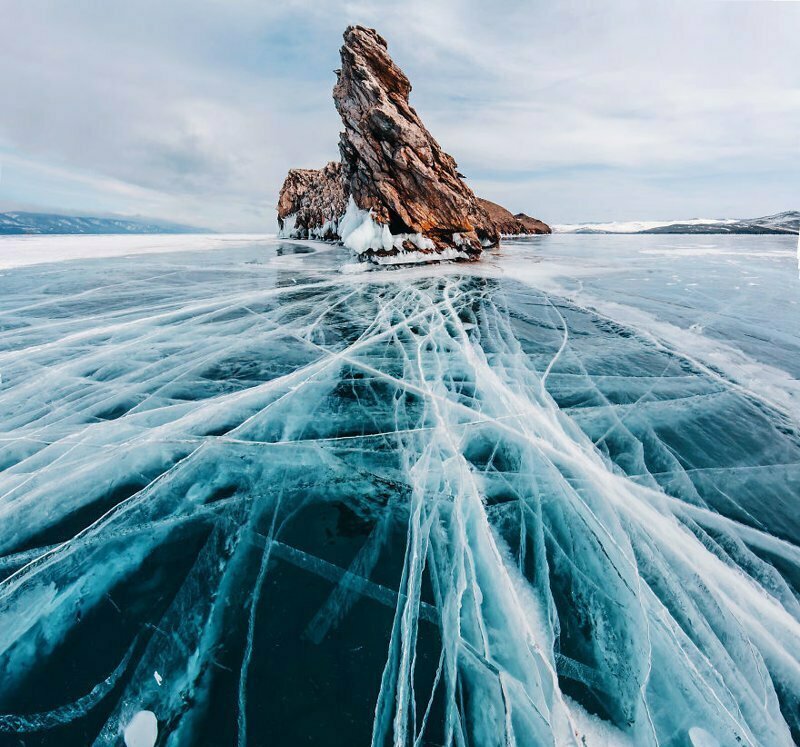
(194,110)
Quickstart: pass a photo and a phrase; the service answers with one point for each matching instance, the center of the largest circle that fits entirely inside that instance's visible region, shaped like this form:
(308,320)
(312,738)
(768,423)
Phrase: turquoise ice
(547,499)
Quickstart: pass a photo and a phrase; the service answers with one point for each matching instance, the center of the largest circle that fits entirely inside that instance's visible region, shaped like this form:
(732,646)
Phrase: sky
(193,110)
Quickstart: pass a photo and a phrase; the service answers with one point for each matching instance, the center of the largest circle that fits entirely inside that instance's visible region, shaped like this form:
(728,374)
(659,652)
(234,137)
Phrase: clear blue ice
(551,498)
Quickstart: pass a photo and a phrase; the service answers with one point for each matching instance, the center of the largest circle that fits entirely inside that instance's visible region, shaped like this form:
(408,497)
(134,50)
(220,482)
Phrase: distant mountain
(49,223)
(786,222)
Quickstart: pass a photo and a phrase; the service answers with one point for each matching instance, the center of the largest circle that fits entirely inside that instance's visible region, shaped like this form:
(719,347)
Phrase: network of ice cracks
(519,556)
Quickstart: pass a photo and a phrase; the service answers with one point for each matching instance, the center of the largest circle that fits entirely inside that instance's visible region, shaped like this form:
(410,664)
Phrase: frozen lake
(552,498)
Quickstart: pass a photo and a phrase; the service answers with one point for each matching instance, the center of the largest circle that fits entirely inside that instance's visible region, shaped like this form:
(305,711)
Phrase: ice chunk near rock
(287,230)
(354,268)
(415,257)
(142,730)
(360,233)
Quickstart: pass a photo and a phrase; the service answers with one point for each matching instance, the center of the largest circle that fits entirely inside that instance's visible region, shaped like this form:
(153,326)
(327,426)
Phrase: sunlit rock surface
(547,500)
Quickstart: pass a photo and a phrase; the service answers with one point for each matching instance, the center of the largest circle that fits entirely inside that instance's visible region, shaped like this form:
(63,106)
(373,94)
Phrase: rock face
(391,164)
(396,196)
(512,225)
(532,225)
(311,202)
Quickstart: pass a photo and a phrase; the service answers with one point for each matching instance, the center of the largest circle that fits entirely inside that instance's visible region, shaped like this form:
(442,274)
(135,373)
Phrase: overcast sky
(193,110)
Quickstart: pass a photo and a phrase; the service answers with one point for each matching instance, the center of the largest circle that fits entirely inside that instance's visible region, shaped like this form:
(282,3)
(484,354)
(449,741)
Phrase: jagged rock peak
(391,164)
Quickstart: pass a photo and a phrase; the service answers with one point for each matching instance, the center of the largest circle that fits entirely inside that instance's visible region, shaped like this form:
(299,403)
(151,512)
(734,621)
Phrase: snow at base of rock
(329,231)
(361,233)
(287,230)
(414,258)
(354,268)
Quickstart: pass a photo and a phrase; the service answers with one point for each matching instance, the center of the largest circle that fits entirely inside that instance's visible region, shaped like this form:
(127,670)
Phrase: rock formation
(512,225)
(396,196)
(311,202)
(532,225)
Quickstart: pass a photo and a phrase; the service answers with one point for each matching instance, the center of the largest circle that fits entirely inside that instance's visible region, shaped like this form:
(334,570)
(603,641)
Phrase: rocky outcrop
(512,225)
(311,202)
(532,225)
(391,164)
(396,196)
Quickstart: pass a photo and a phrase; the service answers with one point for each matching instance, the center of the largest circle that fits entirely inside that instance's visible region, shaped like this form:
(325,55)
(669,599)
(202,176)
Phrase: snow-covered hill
(786,222)
(48,223)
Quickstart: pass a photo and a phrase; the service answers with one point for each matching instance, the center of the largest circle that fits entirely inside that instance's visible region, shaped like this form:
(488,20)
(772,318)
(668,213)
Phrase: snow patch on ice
(354,268)
(142,730)
(328,231)
(361,233)
(593,731)
(701,738)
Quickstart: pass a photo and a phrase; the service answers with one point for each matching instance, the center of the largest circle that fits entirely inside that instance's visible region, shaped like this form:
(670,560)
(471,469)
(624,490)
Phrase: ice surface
(546,499)
(20,251)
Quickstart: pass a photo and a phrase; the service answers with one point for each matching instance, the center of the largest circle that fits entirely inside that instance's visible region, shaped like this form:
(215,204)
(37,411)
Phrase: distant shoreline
(787,222)
(18,223)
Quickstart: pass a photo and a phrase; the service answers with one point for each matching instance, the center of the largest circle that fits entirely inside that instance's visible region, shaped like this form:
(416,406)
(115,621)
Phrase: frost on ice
(408,507)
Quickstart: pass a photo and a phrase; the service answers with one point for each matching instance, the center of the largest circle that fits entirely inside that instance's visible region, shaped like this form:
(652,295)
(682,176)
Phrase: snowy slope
(48,223)
(786,222)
